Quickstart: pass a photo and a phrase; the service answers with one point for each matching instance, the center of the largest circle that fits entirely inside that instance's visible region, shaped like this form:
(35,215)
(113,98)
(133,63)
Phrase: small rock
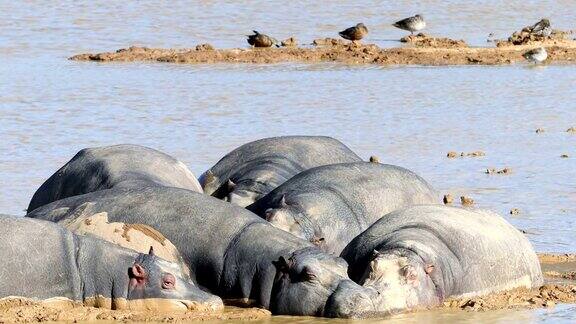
(494,171)
(571,130)
(564,156)
(550,303)
(539,130)
(535,300)
(476,154)
(204,47)
(452,154)
(448,199)
(289,42)
(466,201)
(514,211)
(374,159)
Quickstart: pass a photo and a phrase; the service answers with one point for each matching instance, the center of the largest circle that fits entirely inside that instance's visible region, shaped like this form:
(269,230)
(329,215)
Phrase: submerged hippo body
(127,166)
(256,168)
(331,204)
(43,260)
(421,255)
(229,250)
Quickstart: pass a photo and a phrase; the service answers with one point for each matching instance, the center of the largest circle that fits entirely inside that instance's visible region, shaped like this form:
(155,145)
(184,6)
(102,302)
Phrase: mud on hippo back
(106,167)
(229,250)
(48,262)
(421,255)
(329,205)
(256,168)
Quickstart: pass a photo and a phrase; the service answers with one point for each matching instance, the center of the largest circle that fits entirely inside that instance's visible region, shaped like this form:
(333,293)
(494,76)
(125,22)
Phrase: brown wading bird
(261,40)
(355,33)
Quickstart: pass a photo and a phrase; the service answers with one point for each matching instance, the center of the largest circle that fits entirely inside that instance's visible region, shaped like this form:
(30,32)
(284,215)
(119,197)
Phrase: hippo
(230,251)
(106,167)
(418,256)
(45,261)
(329,205)
(254,169)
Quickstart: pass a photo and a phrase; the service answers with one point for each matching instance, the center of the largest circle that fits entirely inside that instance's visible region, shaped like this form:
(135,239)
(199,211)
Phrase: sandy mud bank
(421,50)
(25,310)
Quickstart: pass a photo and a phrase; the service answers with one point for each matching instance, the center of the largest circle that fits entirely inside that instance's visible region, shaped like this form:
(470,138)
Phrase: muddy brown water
(411,116)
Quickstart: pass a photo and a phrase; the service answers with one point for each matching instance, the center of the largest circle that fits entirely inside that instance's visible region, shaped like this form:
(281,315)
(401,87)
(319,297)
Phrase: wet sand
(560,287)
(26,310)
(422,50)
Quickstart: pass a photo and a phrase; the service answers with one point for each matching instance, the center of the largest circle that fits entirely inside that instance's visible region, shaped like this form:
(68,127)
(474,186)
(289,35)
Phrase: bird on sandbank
(537,55)
(354,33)
(261,40)
(412,24)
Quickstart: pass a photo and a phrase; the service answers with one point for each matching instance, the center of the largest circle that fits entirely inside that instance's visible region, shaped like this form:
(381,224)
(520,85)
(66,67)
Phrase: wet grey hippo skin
(331,204)
(126,165)
(256,168)
(229,250)
(43,260)
(422,254)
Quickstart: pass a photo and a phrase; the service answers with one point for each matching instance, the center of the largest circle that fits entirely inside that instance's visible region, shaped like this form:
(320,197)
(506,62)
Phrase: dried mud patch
(545,296)
(422,40)
(15,309)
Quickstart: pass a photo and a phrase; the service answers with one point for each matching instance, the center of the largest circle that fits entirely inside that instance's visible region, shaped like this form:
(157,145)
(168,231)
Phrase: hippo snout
(204,301)
(350,300)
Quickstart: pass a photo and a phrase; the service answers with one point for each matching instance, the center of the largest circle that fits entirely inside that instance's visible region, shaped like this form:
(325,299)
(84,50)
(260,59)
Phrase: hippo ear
(429,268)
(281,265)
(230,184)
(137,271)
(209,177)
(318,241)
(283,201)
(151,251)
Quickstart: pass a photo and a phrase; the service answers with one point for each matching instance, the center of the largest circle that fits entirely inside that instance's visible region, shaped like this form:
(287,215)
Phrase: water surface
(410,116)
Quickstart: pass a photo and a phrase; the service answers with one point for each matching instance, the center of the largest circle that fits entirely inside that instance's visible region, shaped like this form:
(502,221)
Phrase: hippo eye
(269,213)
(168,281)
(307,274)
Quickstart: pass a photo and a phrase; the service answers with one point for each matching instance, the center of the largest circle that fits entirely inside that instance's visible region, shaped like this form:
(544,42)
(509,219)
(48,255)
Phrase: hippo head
(313,283)
(157,284)
(294,219)
(402,282)
(243,193)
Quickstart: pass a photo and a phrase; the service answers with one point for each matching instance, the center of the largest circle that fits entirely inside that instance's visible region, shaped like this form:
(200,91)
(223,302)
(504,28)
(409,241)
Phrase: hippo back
(475,251)
(341,200)
(212,224)
(94,169)
(37,252)
(283,157)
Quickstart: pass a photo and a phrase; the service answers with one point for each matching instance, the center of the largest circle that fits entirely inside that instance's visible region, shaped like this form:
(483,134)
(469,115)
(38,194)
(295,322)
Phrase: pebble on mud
(514,211)
(289,42)
(494,171)
(571,130)
(374,159)
(448,199)
(466,201)
(453,154)
(205,47)
(327,42)
(539,130)
(564,156)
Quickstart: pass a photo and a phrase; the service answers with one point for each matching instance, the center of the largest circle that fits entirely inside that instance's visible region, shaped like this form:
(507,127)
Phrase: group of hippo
(299,225)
